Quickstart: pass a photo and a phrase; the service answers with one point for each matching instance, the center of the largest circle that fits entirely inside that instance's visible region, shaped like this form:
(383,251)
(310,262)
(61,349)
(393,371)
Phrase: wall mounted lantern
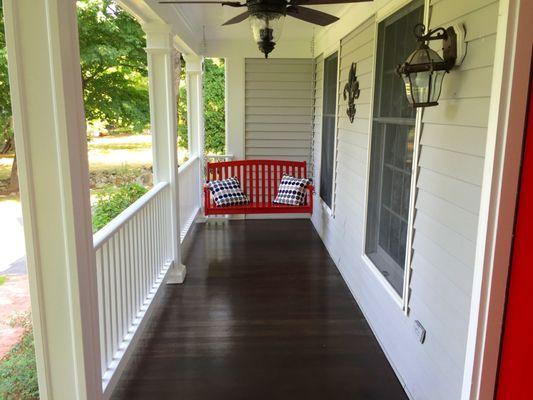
(424,69)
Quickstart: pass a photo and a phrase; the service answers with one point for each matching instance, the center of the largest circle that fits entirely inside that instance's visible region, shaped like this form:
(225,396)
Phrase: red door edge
(515,370)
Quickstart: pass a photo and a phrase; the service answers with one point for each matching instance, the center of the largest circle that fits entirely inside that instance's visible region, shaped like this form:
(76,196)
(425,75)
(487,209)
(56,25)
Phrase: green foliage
(114,77)
(214,107)
(3,279)
(6,133)
(18,371)
(113,67)
(113,64)
(214,104)
(112,201)
(183,138)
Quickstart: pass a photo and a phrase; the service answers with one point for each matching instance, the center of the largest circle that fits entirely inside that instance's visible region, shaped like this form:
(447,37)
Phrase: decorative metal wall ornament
(351,91)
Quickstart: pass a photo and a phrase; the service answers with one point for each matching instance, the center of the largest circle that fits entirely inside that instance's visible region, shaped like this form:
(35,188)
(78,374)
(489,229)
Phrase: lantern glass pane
(424,55)
(417,87)
(408,90)
(436,85)
(266,26)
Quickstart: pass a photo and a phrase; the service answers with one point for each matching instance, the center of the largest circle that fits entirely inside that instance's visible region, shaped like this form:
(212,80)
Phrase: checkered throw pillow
(292,191)
(227,192)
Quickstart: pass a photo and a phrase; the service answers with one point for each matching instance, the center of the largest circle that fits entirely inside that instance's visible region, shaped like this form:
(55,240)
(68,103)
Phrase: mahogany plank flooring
(263,314)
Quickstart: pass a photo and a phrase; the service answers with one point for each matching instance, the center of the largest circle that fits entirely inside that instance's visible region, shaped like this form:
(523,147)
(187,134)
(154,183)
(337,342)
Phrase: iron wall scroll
(351,91)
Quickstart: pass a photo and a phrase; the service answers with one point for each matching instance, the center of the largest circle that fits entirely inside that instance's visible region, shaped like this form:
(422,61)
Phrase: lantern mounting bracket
(432,34)
(449,42)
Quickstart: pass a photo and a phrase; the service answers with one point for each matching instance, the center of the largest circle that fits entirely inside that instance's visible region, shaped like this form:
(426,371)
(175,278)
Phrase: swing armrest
(311,192)
(207,197)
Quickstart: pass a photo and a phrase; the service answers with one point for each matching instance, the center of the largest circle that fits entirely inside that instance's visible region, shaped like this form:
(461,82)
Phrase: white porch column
(235,107)
(50,137)
(163,118)
(195,103)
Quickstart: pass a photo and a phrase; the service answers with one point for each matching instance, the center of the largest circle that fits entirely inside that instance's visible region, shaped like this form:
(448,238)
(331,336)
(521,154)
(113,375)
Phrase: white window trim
(403,300)
(330,211)
(317,133)
(382,280)
(336,133)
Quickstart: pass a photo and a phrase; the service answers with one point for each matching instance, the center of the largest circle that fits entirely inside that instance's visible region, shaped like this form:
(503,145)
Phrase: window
(328,129)
(391,157)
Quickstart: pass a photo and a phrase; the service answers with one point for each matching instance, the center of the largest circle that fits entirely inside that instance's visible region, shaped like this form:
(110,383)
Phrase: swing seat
(259,180)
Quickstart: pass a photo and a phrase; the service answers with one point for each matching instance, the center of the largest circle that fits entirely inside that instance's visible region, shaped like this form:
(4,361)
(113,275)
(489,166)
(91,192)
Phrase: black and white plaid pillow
(292,191)
(227,192)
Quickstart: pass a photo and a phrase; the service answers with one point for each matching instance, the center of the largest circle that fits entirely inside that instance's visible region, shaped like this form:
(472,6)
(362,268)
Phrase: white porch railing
(190,197)
(218,157)
(133,253)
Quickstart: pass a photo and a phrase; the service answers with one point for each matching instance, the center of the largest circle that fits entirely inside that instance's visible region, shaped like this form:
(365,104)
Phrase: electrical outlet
(420,331)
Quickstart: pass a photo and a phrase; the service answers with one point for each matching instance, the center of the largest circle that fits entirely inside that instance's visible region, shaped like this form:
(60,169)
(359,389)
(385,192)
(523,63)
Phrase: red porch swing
(259,181)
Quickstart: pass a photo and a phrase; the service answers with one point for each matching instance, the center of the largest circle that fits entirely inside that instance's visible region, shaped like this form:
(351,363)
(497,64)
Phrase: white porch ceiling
(212,16)
(189,22)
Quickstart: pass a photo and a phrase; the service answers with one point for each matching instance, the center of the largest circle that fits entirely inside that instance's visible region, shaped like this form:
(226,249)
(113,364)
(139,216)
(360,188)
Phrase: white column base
(176,275)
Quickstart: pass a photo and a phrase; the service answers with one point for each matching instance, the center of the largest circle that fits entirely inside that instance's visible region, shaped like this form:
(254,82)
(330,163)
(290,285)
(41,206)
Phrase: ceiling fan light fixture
(267,16)
(266,29)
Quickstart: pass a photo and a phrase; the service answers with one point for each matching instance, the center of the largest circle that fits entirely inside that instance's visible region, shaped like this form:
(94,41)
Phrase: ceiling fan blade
(237,19)
(224,3)
(310,15)
(313,2)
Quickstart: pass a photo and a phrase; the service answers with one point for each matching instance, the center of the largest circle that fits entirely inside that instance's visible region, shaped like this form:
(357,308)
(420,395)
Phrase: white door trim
(498,197)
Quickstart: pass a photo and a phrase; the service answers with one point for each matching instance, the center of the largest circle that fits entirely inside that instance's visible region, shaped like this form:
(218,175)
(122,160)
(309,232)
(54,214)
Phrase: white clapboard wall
(279,108)
(447,203)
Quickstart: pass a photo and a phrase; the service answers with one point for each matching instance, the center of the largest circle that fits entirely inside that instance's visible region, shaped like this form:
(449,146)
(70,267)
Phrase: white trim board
(498,198)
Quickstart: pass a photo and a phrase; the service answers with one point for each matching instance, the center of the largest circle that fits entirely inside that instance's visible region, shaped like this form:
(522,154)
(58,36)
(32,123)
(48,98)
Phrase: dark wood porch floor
(263,314)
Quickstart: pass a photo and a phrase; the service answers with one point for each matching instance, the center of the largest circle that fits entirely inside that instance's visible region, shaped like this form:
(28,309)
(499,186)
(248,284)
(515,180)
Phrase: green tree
(214,105)
(183,138)
(113,69)
(113,65)
(6,131)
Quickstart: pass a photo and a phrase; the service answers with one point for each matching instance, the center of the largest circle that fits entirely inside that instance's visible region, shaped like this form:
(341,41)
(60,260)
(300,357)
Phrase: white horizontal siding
(448,185)
(279,108)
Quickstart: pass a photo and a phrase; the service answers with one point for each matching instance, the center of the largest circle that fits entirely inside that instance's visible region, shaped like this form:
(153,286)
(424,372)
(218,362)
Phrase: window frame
(326,54)
(403,300)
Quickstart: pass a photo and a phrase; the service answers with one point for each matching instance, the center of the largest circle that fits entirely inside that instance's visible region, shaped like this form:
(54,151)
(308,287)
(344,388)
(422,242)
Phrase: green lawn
(5,166)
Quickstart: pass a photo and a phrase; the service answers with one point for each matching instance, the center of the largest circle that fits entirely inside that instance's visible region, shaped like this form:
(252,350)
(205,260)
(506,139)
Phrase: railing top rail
(220,156)
(220,164)
(187,164)
(100,237)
